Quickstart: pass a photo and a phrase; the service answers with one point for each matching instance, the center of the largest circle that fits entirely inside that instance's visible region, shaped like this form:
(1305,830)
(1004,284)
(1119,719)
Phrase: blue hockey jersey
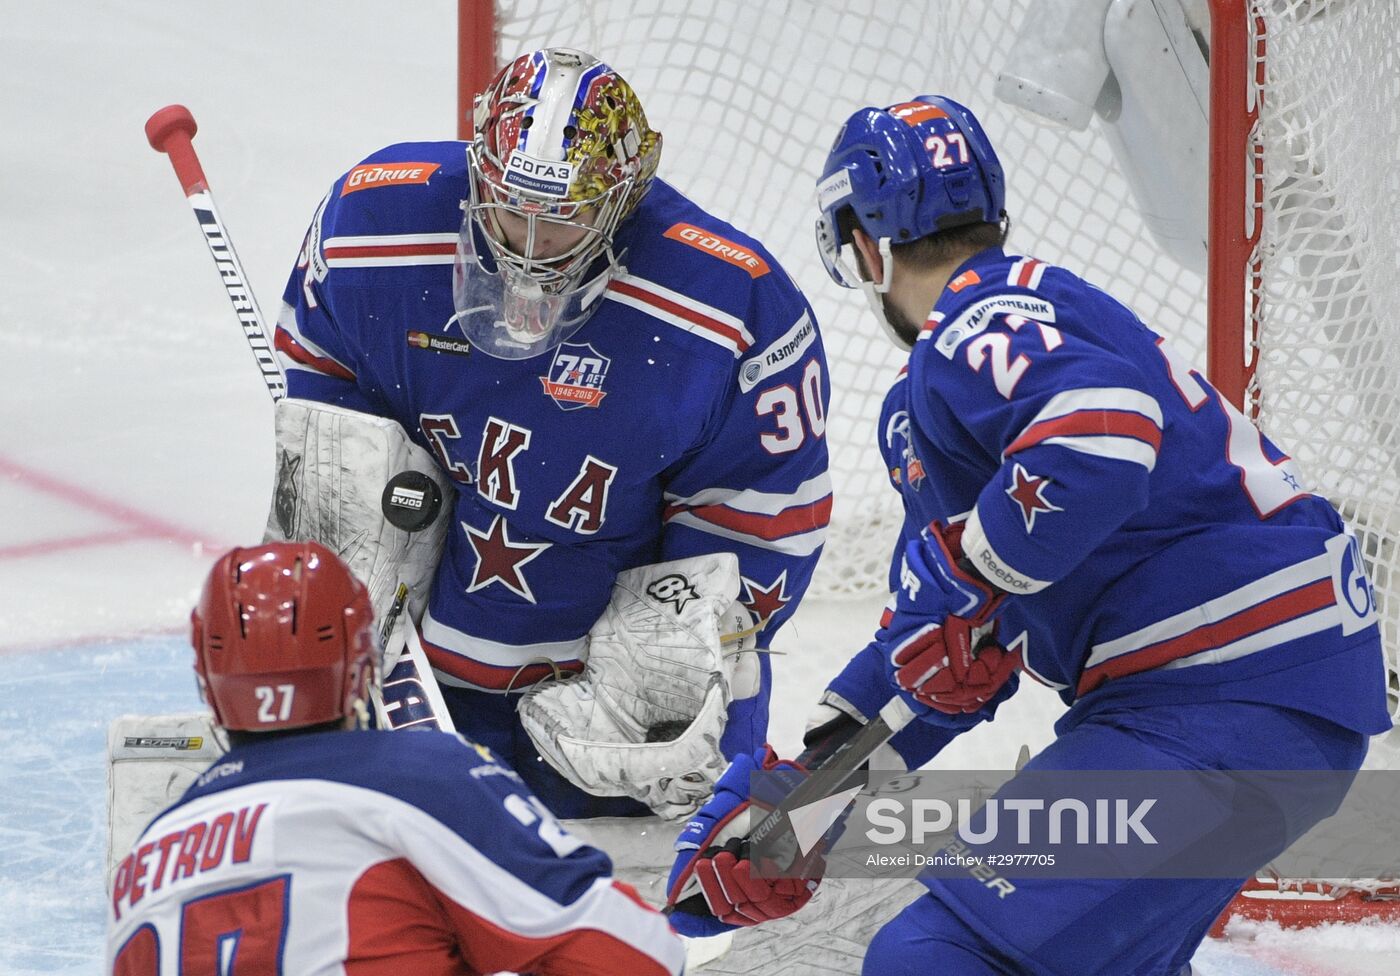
(686,416)
(1157,548)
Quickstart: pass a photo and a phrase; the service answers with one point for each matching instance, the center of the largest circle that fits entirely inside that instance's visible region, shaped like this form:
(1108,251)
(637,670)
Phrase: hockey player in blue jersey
(610,378)
(1140,546)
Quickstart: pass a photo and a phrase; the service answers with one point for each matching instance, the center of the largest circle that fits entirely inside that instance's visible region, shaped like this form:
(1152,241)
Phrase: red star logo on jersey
(500,560)
(764,602)
(1028,491)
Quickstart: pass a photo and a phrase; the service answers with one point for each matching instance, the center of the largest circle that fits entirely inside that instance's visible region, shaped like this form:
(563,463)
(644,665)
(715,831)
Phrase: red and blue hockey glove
(938,638)
(714,886)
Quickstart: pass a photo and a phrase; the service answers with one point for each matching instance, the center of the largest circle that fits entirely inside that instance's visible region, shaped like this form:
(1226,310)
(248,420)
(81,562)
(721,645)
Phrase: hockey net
(1315,342)
(749,96)
(1304,268)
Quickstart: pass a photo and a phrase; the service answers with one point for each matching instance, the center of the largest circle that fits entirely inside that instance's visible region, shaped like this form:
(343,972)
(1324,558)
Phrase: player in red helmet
(314,845)
(282,639)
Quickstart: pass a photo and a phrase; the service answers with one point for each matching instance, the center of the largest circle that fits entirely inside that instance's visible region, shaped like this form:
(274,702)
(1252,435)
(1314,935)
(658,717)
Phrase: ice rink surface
(136,440)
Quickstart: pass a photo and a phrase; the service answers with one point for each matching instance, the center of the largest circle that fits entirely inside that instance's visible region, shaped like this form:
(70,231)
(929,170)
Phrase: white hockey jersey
(372,853)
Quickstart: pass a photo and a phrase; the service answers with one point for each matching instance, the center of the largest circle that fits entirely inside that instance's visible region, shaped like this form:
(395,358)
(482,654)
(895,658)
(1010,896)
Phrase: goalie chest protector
(619,448)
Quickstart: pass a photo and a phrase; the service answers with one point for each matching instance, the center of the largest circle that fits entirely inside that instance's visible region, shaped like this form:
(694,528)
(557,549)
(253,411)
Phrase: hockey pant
(1111,927)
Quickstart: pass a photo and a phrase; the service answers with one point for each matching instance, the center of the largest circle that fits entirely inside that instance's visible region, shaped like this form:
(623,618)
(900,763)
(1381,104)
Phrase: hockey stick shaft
(171,131)
(413,697)
(836,763)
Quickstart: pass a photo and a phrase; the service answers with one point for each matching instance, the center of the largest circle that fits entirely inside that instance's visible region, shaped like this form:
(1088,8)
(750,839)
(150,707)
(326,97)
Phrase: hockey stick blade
(837,766)
(171,131)
(832,775)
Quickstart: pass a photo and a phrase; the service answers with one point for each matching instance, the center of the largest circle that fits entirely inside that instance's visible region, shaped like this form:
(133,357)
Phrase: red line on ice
(64,643)
(140,525)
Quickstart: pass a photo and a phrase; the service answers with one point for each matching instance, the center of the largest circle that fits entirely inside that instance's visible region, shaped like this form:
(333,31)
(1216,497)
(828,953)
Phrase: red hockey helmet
(282,638)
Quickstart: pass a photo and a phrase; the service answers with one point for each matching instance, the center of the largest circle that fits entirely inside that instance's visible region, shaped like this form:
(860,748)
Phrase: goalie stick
(409,696)
(834,764)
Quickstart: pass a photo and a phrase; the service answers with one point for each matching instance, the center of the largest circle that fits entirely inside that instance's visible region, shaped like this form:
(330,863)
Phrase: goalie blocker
(357,484)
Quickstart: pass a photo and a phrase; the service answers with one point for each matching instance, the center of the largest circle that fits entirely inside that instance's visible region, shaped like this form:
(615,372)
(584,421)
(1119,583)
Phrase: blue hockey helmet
(905,172)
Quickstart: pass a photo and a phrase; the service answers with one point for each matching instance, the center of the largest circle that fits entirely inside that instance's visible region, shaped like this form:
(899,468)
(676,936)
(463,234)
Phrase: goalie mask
(560,156)
(282,638)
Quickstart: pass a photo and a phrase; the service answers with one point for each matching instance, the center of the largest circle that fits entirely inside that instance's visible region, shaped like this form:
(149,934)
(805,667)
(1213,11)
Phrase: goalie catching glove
(645,716)
(937,638)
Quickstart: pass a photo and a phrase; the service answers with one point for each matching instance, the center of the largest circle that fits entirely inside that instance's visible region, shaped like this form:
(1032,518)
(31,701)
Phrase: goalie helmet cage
(1297,318)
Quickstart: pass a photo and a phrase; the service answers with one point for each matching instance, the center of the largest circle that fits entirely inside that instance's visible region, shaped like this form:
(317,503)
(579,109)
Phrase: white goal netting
(1327,322)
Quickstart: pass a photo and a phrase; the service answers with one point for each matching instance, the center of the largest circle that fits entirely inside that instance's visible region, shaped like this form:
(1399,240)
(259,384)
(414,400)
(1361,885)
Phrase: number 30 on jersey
(797,411)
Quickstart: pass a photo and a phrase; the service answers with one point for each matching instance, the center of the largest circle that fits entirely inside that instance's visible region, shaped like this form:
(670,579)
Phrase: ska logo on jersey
(576,376)
(674,589)
(911,472)
(1028,491)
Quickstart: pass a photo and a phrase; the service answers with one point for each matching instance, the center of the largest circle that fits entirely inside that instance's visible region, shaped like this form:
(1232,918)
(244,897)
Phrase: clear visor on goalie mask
(529,273)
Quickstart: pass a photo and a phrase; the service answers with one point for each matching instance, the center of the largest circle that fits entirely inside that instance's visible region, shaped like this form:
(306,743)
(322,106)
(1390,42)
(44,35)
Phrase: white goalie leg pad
(644,718)
(357,484)
(151,761)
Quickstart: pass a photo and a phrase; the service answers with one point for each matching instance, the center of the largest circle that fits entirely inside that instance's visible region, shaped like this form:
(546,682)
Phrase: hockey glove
(934,583)
(938,637)
(713,855)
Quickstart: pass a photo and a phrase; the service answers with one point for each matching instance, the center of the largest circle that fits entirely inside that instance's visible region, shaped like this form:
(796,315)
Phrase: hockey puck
(411,501)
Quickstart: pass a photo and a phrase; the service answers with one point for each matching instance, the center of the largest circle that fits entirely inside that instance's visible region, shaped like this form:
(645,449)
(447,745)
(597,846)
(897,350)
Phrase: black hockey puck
(666,731)
(411,500)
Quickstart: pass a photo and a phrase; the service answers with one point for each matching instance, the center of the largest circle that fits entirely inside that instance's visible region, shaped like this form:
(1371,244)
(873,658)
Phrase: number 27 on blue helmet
(901,173)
